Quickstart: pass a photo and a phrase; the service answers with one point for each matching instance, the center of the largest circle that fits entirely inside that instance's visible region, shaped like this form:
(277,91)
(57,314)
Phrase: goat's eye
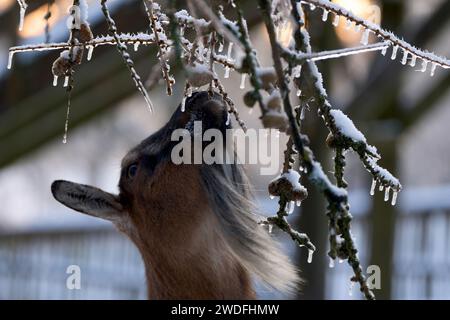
(132,170)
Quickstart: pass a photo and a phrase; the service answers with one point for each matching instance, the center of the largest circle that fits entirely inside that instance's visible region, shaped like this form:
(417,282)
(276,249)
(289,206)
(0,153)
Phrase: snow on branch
(343,135)
(394,41)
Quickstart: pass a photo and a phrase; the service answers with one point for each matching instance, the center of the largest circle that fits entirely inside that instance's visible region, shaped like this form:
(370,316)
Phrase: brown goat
(194,225)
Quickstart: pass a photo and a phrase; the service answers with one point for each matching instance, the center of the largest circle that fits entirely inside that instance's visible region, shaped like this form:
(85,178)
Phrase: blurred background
(404,113)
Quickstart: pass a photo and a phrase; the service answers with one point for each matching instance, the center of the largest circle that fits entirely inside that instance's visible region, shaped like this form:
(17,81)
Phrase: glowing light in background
(366,9)
(6,4)
(34,24)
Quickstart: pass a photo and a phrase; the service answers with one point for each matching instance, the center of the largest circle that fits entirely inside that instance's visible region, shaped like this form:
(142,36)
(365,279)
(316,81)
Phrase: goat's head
(154,192)
(167,207)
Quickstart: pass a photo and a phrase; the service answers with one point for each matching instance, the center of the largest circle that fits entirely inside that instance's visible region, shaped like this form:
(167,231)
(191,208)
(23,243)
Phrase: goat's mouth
(204,106)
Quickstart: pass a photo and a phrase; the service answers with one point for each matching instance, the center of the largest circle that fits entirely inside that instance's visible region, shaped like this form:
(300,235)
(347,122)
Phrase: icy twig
(279,220)
(378,31)
(125,38)
(250,61)
(229,102)
(122,48)
(204,8)
(342,130)
(338,214)
(155,25)
(300,58)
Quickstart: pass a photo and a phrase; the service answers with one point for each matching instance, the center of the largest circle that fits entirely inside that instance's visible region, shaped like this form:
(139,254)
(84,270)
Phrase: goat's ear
(87,199)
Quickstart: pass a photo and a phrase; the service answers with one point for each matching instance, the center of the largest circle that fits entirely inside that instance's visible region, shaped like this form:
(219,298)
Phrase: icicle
(228,119)
(312,7)
(181,31)
(372,188)
(10,59)
(242,86)
(136,46)
(277,133)
(227,73)
(386,193)
(331,264)
(299,92)
(405,57)
(433,69)
(381,187)
(89,53)
(189,91)
(270,227)
(221,47)
(271,196)
(365,37)
(298,203)
(66,124)
(55,81)
(348,24)
(325,15)
(424,65)
(350,290)
(310,255)
(357,27)
(413,60)
(183,104)
(302,113)
(66,81)
(394,197)
(290,207)
(394,52)
(296,71)
(336,20)
(230,49)
(384,50)
(23,8)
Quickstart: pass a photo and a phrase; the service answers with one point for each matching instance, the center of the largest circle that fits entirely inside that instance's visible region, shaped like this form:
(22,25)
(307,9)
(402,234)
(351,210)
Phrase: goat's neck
(194,265)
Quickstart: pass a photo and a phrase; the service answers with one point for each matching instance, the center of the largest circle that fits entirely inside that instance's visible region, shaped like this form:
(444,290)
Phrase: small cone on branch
(250,99)
(60,66)
(275,120)
(199,75)
(274,101)
(268,77)
(284,187)
(85,33)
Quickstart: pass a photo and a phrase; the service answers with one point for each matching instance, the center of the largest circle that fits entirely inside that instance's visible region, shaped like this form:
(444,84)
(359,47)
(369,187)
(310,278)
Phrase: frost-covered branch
(155,17)
(219,26)
(394,41)
(300,57)
(122,48)
(290,192)
(343,133)
(338,208)
(125,38)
